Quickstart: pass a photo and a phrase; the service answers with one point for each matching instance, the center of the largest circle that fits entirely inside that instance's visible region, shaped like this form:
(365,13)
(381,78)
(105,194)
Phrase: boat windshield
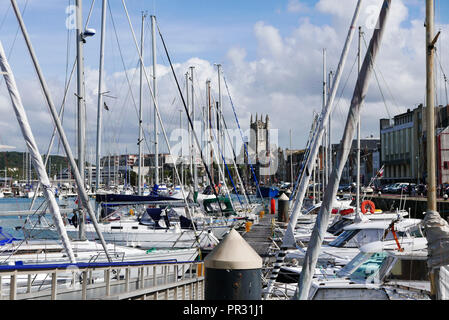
(343,239)
(371,267)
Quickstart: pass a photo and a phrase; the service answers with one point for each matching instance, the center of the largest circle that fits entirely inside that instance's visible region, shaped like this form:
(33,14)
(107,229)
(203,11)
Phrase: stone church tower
(259,143)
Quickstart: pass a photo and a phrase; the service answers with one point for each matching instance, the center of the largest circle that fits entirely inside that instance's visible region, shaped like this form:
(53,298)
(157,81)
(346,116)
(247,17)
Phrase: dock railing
(161,280)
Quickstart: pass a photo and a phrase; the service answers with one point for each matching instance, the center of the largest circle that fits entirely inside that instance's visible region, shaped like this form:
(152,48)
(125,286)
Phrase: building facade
(404,145)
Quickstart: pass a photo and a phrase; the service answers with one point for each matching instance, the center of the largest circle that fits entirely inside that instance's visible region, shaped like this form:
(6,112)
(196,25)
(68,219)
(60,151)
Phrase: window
(446,165)
(343,238)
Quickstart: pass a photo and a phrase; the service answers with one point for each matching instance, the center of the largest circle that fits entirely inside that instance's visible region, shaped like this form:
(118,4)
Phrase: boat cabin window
(407,269)
(358,238)
(344,238)
(338,226)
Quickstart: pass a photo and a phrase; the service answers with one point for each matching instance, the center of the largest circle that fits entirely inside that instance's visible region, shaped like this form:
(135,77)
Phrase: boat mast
(430,124)
(430,101)
(156,146)
(221,138)
(195,169)
(81,111)
(189,142)
(359,61)
(100,96)
(325,177)
(142,45)
(211,159)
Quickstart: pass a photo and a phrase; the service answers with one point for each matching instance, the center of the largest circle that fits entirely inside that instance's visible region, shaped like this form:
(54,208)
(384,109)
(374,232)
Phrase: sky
(271,53)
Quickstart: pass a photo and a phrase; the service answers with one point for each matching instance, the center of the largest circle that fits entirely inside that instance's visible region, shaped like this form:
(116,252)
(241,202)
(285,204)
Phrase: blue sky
(269,49)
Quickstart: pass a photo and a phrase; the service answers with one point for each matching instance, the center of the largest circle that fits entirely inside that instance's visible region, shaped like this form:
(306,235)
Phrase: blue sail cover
(186,223)
(155,214)
(131,198)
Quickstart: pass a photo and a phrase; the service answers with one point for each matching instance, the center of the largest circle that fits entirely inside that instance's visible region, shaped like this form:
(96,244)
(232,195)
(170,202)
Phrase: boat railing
(159,280)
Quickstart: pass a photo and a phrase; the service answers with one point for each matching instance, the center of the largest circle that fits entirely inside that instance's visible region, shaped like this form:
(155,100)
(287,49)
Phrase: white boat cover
(437,234)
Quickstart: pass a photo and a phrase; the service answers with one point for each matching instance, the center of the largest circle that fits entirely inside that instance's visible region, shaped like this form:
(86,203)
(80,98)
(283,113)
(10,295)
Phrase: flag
(380,174)
(105,106)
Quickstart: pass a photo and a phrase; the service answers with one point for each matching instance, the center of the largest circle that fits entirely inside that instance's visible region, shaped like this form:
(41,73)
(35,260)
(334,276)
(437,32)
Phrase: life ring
(371,206)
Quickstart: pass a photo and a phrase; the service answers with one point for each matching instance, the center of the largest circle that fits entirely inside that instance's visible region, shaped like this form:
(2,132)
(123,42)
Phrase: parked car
(399,188)
(387,188)
(345,188)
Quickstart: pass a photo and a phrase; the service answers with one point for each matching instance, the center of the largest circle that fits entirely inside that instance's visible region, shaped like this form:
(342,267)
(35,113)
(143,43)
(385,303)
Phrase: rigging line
(15,36)
(90,13)
(340,113)
(241,134)
(444,75)
(5,16)
(190,121)
(130,93)
(386,85)
(25,239)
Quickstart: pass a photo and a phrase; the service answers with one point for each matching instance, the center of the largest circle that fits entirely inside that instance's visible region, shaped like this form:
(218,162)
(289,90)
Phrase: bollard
(248,226)
(261,214)
(233,270)
(283,206)
(273,206)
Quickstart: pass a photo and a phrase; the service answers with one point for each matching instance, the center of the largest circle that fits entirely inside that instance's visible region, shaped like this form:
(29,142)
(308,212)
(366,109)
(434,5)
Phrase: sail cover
(437,234)
(34,152)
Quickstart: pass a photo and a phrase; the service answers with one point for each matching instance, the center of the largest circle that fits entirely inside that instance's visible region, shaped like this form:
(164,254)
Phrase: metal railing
(164,280)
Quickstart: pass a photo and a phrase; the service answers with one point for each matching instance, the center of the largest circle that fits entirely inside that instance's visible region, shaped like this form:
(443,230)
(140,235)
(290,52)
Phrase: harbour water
(11,224)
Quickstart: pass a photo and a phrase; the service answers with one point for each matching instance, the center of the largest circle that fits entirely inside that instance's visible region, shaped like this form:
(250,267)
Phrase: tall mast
(210,131)
(195,169)
(181,183)
(156,146)
(359,61)
(189,140)
(430,101)
(81,109)
(291,160)
(139,143)
(220,138)
(326,128)
(100,97)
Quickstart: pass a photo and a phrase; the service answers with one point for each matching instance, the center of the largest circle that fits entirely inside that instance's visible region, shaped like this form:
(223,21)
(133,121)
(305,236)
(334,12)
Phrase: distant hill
(13,159)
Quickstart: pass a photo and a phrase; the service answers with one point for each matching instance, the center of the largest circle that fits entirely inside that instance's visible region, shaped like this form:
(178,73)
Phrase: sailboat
(27,251)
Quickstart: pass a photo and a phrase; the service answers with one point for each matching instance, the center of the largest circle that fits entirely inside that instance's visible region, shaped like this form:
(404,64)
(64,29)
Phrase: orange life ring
(371,206)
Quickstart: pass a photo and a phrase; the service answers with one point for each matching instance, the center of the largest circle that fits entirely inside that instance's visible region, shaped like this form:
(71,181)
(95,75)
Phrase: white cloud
(283,79)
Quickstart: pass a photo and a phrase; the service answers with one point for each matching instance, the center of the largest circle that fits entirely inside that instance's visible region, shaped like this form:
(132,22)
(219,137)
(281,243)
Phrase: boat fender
(371,206)
(75,220)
